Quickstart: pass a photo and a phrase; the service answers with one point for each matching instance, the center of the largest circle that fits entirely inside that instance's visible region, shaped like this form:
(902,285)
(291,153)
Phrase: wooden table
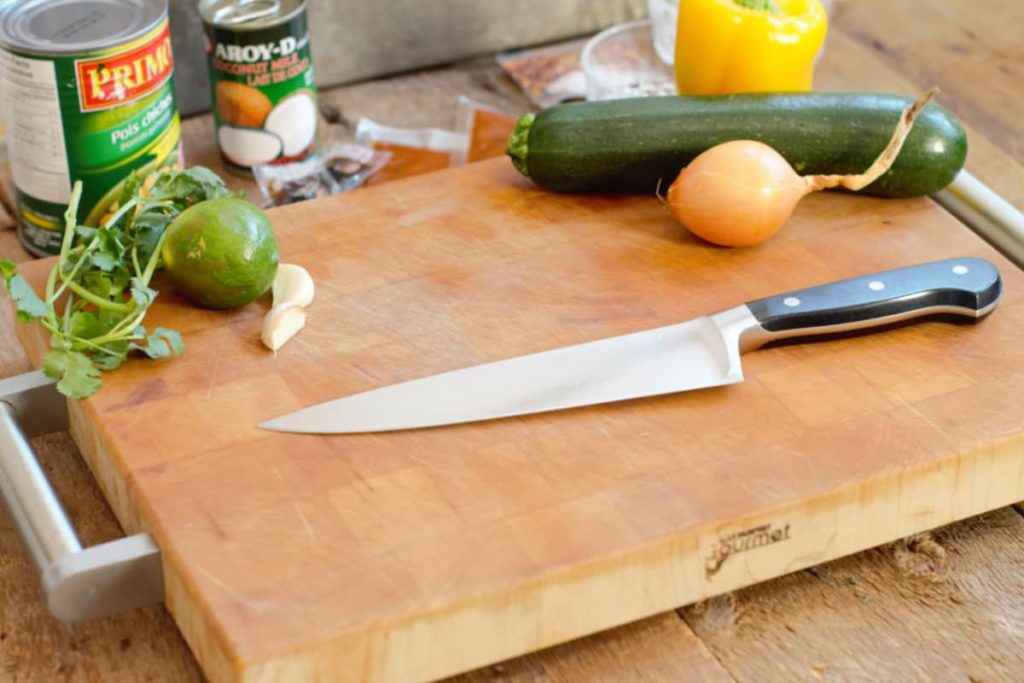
(946,605)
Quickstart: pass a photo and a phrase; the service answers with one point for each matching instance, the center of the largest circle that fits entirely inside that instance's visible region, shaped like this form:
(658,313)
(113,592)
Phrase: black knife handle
(964,286)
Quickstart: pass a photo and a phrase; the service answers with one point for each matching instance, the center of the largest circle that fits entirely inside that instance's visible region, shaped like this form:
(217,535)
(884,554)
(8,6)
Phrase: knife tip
(271,426)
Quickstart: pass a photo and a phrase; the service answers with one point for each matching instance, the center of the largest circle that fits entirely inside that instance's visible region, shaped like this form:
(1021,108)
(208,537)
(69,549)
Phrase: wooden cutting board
(421,554)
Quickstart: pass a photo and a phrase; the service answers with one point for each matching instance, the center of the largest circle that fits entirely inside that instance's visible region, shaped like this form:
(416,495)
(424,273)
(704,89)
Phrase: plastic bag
(413,150)
(337,167)
(486,130)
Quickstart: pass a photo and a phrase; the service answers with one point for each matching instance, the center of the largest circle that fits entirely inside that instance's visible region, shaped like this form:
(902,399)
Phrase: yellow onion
(739,193)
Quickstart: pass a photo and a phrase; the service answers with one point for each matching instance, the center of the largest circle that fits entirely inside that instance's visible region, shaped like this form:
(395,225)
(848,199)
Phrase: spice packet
(486,128)
(413,150)
(548,75)
(337,167)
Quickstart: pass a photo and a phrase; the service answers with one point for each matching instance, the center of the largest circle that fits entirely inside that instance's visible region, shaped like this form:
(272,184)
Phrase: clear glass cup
(664,14)
(620,62)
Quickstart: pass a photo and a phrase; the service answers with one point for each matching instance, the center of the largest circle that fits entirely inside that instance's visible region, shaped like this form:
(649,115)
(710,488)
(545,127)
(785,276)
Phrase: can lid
(75,26)
(244,15)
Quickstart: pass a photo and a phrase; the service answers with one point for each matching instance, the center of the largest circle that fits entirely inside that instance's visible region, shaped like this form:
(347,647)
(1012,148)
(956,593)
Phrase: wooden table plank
(982,555)
(662,648)
(876,45)
(963,46)
(940,606)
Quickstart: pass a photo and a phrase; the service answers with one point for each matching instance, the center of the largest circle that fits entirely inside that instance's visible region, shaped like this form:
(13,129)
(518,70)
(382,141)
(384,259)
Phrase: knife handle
(965,286)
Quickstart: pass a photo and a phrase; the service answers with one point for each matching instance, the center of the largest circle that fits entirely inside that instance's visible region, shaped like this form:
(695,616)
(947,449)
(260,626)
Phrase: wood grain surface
(290,556)
(983,557)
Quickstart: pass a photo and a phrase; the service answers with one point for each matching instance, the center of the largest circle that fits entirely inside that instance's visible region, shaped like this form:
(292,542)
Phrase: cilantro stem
(66,279)
(68,308)
(120,212)
(91,247)
(51,283)
(135,262)
(118,332)
(51,327)
(100,302)
(95,345)
(70,221)
(154,258)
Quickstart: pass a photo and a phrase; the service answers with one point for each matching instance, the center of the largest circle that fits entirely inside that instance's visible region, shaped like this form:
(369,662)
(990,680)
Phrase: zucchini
(637,145)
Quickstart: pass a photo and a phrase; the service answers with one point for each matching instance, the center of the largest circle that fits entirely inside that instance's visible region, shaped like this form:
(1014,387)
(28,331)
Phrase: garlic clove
(281,324)
(292,284)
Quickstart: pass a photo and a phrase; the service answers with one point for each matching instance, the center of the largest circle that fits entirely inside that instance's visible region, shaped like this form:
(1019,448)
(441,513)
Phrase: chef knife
(704,352)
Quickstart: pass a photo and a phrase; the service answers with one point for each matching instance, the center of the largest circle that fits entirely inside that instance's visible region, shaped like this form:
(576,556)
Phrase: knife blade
(701,353)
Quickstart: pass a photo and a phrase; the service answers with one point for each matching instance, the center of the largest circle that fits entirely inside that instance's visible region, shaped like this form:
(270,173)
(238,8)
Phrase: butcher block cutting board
(416,555)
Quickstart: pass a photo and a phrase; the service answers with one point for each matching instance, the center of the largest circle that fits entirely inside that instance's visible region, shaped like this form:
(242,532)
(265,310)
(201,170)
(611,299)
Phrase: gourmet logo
(113,80)
(741,542)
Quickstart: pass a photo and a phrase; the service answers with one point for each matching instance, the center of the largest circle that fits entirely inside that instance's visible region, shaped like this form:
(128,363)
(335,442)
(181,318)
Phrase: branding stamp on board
(740,542)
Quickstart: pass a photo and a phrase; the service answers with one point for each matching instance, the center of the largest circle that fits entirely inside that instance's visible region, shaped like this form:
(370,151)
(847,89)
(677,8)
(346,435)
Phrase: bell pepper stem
(760,5)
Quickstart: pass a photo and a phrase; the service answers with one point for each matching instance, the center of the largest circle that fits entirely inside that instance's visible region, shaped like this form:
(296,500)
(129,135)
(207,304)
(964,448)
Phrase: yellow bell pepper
(728,46)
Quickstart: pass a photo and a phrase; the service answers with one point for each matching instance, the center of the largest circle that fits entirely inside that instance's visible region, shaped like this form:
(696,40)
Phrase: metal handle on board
(987,213)
(80,583)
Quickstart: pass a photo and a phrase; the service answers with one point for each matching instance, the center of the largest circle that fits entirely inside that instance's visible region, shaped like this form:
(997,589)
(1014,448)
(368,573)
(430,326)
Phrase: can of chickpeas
(89,95)
(261,80)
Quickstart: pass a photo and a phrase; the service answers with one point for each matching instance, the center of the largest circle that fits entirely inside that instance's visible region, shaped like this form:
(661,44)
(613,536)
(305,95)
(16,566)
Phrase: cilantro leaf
(77,375)
(29,306)
(188,187)
(86,325)
(161,344)
(142,295)
(84,232)
(107,363)
(173,338)
(104,261)
(130,188)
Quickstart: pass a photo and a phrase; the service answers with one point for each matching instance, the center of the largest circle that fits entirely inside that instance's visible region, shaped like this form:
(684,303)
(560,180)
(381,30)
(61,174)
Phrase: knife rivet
(876,285)
(791,301)
(960,270)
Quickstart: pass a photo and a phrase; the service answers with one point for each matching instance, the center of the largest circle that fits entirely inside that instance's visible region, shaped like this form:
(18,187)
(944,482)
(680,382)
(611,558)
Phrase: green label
(264,95)
(94,118)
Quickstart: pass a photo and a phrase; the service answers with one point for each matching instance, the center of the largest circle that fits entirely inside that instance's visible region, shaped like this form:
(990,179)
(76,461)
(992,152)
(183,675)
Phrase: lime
(221,253)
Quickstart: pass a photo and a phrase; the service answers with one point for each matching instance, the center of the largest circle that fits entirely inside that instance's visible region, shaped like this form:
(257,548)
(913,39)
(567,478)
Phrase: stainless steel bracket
(986,213)
(80,583)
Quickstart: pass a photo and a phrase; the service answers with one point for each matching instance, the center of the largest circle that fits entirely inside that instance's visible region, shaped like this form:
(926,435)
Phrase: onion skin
(736,194)
(740,193)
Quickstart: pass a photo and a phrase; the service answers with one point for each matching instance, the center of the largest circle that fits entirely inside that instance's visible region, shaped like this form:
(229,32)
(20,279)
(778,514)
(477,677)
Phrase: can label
(93,117)
(264,95)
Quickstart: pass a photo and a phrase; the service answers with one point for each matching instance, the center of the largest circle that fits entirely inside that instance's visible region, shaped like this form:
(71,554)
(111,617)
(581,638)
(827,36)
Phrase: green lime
(221,253)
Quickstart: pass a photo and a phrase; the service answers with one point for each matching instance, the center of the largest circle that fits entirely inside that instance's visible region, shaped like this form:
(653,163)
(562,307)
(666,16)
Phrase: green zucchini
(637,145)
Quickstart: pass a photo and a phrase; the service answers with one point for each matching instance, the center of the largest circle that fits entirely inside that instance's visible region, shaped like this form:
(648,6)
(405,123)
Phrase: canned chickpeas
(261,79)
(89,86)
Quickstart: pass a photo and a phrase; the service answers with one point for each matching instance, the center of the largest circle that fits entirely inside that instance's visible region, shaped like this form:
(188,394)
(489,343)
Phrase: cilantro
(29,306)
(161,344)
(102,279)
(76,372)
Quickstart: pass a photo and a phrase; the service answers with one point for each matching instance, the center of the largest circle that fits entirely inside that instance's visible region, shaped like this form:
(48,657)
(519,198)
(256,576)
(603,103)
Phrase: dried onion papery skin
(740,193)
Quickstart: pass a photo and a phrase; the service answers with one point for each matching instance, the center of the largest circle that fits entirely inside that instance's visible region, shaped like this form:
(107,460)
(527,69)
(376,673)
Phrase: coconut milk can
(261,78)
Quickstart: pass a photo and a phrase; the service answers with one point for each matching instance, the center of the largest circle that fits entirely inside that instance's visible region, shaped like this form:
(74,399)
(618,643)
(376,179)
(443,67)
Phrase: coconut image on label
(293,120)
(248,146)
(241,105)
